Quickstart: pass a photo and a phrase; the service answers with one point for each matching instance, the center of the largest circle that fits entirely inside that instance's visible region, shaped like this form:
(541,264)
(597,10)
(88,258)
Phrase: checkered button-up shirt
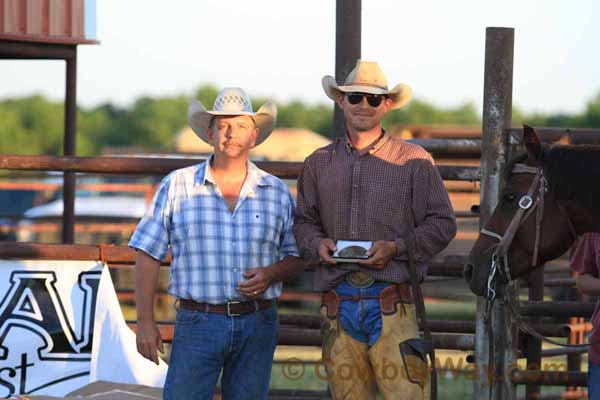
(212,247)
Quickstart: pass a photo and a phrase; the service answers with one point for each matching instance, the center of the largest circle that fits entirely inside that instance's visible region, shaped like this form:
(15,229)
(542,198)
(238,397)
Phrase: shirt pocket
(265,229)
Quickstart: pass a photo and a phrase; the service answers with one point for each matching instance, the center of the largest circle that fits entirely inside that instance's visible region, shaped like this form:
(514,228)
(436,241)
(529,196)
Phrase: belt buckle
(229,313)
(360,279)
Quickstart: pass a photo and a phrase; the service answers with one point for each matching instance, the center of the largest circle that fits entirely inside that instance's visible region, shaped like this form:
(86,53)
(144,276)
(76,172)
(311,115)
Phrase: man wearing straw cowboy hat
(368,186)
(229,227)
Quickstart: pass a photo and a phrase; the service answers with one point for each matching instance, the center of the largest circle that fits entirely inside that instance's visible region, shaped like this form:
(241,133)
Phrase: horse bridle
(500,263)
(527,205)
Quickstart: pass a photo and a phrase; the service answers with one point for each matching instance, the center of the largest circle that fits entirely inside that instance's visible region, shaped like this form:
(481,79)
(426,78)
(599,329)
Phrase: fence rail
(162,166)
(559,309)
(549,378)
(293,335)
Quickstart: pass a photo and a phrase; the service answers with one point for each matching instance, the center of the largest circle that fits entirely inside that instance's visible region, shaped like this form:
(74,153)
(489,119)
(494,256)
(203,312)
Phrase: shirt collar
(372,148)
(202,174)
(255,176)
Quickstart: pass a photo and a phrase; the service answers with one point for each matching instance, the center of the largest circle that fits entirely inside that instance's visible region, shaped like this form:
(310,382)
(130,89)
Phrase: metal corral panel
(48,21)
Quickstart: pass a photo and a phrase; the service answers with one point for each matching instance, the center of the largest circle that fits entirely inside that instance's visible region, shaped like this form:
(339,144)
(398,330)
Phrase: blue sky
(282,48)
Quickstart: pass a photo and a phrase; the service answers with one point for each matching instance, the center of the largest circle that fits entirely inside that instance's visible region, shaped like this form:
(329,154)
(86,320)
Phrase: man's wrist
(143,318)
(316,243)
(394,247)
(270,274)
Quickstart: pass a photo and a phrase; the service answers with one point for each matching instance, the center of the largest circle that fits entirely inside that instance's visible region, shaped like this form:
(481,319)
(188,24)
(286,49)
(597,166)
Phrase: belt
(388,299)
(401,293)
(360,279)
(231,308)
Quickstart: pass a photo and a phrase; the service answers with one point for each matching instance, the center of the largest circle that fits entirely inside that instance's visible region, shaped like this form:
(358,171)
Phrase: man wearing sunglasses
(367,186)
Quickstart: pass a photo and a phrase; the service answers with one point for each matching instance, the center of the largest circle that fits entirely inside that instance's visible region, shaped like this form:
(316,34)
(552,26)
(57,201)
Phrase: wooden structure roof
(68,22)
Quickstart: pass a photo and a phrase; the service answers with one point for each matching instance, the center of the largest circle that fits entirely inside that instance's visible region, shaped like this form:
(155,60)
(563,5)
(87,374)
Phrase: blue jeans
(206,343)
(361,319)
(593,378)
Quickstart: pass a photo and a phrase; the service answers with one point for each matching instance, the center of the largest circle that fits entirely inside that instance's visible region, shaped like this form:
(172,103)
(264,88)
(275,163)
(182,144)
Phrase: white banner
(61,327)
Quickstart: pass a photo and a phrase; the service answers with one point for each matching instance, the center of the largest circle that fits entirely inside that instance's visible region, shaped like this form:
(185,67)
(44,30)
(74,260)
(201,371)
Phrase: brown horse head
(550,196)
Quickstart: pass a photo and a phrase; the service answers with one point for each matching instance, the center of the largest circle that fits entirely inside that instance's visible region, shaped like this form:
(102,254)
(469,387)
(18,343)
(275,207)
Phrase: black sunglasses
(374,100)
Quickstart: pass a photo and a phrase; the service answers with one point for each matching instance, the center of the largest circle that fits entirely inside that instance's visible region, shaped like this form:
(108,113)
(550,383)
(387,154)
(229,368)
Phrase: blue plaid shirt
(211,247)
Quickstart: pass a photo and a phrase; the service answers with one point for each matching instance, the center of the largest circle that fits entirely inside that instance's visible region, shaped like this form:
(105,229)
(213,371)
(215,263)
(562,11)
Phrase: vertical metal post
(69,149)
(497,113)
(347,49)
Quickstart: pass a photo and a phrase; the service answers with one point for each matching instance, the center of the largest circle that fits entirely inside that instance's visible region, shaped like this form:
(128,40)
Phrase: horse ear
(532,143)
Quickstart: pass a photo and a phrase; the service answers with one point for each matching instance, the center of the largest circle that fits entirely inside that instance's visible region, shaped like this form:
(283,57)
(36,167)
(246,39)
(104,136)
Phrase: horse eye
(509,197)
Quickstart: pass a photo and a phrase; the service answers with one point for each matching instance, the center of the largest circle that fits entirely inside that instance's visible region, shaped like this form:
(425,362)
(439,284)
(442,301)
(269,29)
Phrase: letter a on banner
(33,303)
(47,313)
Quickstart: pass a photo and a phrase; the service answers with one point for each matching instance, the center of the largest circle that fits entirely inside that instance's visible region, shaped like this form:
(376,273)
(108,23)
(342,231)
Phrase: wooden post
(347,50)
(497,113)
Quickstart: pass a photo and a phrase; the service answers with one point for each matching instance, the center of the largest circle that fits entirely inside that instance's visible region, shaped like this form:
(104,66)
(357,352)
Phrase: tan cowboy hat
(367,77)
(232,102)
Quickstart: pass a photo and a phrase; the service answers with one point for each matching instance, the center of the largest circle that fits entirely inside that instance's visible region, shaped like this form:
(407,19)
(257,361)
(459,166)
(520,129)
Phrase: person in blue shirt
(228,225)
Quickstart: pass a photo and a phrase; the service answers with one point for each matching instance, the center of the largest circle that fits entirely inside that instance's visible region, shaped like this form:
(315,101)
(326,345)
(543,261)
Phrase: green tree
(153,123)
(206,94)
(14,138)
(591,116)
(419,112)
(35,125)
(41,125)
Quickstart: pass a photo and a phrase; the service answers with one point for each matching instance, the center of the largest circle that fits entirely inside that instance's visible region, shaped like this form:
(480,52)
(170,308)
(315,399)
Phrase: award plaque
(351,251)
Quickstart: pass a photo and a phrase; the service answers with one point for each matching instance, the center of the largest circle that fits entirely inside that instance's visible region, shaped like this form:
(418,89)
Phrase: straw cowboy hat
(232,102)
(367,77)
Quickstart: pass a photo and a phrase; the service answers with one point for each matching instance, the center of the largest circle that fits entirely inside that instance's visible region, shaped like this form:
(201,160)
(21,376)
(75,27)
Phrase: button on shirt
(211,247)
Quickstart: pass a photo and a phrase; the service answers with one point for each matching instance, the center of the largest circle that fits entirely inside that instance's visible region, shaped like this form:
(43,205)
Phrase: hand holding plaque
(351,251)
(381,252)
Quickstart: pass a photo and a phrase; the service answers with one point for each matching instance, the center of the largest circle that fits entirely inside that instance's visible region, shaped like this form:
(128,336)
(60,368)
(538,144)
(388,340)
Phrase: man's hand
(380,254)
(148,340)
(257,281)
(326,247)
